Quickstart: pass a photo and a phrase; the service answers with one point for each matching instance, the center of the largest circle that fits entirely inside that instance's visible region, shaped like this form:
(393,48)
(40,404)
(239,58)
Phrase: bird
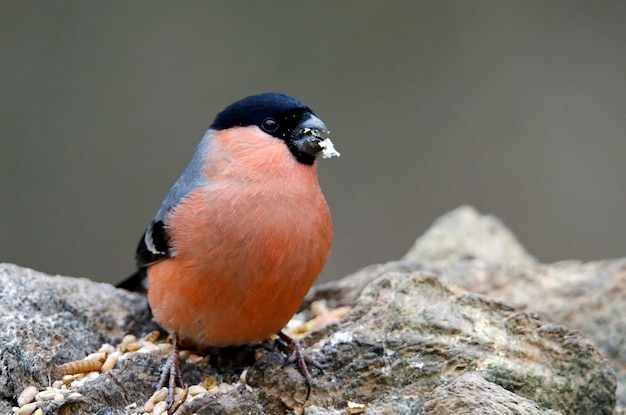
(243,233)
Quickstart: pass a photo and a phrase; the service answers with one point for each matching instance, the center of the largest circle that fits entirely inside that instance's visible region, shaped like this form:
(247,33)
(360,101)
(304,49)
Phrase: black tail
(136,282)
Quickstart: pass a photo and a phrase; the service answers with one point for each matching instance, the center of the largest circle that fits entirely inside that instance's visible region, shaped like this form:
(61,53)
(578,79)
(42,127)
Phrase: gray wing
(154,244)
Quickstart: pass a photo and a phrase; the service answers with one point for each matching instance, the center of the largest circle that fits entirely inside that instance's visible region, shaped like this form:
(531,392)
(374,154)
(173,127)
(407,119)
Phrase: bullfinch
(243,233)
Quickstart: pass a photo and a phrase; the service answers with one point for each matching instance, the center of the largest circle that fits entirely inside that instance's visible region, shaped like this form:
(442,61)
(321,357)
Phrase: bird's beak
(309,135)
(310,138)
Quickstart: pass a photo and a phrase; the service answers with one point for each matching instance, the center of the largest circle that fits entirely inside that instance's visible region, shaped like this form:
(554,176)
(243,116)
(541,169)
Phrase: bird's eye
(270,125)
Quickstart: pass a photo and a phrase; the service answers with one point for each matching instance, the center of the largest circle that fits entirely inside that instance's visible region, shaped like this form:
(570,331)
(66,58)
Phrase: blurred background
(517,108)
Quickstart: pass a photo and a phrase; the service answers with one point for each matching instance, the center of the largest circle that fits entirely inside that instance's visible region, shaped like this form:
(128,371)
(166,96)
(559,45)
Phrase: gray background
(517,108)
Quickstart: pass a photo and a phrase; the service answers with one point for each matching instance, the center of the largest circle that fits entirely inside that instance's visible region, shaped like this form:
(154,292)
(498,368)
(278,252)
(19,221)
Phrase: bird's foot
(295,354)
(171,373)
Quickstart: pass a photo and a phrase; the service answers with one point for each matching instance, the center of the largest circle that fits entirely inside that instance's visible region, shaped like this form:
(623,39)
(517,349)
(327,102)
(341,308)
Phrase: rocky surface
(463,324)
(464,234)
(590,297)
(471,394)
(48,320)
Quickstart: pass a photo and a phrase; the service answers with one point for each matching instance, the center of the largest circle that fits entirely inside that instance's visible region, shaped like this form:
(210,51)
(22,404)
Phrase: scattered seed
(196,390)
(129,338)
(107,348)
(91,376)
(160,408)
(156,397)
(133,346)
(180,398)
(165,348)
(355,408)
(319,307)
(27,409)
(149,348)
(110,362)
(67,379)
(148,406)
(159,395)
(194,358)
(27,395)
(101,356)
(59,397)
(152,337)
(46,395)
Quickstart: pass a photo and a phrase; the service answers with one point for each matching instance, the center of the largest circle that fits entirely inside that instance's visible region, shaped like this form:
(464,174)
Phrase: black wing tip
(158,235)
(145,256)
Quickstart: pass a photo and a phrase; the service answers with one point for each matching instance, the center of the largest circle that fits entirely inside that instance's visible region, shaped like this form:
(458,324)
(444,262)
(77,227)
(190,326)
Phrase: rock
(416,341)
(413,334)
(590,297)
(347,290)
(49,320)
(471,394)
(465,234)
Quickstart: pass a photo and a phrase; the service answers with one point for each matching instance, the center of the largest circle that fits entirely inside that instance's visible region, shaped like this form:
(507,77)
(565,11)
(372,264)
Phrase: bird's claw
(295,354)
(171,373)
